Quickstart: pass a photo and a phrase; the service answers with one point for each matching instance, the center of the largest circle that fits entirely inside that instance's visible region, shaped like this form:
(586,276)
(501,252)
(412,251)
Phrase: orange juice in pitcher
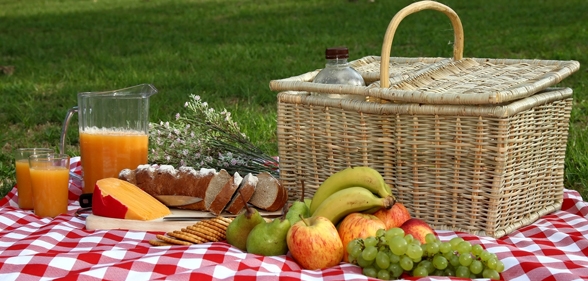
(114,130)
(104,153)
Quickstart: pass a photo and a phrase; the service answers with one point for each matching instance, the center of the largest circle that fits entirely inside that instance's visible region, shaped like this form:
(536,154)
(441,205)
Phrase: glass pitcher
(113,131)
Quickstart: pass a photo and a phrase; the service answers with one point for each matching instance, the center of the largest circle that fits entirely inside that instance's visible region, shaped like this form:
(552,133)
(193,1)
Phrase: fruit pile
(391,253)
(373,231)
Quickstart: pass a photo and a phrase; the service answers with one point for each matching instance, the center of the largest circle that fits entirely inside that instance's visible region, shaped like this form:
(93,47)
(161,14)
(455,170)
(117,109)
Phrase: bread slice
(269,193)
(217,183)
(246,188)
(224,196)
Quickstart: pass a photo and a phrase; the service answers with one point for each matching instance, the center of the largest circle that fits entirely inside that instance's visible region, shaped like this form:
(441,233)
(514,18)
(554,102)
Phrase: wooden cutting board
(94,222)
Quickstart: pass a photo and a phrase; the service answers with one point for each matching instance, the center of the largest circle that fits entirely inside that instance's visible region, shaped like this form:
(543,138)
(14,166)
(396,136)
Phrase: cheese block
(116,198)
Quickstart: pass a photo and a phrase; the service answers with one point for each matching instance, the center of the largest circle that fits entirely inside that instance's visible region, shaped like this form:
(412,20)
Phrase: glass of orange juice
(23,179)
(50,182)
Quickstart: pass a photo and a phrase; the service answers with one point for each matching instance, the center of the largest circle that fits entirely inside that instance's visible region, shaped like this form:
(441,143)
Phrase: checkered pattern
(32,248)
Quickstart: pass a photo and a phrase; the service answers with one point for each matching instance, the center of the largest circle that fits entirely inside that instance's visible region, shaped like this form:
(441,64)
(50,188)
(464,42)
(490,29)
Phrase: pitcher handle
(70,113)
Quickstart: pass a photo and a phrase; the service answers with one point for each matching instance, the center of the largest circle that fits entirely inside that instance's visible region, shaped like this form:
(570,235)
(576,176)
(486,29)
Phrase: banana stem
(389,201)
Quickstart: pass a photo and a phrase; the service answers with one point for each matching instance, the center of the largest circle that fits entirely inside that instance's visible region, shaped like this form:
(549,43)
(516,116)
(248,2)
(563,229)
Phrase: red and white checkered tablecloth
(32,248)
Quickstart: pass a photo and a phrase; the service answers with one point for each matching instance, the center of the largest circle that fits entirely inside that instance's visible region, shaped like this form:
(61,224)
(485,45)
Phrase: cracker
(155,242)
(173,240)
(203,234)
(222,220)
(214,226)
(190,231)
(194,236)
(189,238)
(219,224)
(207,230)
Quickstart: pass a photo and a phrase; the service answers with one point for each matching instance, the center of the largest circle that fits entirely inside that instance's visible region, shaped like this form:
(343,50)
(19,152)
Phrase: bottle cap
(337,53)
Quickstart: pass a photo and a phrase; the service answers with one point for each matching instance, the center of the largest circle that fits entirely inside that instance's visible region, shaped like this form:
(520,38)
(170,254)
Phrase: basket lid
(443,80)
(454,80)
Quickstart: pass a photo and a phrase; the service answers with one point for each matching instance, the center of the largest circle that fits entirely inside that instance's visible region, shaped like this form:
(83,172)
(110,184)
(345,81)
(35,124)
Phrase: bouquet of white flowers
(204,138)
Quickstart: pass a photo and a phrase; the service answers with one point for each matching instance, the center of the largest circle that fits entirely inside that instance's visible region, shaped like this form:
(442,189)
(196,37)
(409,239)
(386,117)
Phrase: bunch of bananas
(359,189)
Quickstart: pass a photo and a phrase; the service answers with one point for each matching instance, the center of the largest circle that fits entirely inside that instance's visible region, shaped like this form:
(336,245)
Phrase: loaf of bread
(218,189)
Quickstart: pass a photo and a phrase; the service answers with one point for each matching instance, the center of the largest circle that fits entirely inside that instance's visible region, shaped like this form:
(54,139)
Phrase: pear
(241,226)
(269,239)
(298,209)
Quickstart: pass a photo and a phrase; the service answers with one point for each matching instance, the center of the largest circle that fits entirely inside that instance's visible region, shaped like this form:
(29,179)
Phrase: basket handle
(410,9)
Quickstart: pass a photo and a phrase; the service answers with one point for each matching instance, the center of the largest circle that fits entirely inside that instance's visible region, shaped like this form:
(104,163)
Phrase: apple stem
(302,219)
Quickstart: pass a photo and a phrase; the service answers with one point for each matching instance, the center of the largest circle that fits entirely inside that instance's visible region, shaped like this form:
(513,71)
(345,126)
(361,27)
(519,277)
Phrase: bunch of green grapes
(391,253)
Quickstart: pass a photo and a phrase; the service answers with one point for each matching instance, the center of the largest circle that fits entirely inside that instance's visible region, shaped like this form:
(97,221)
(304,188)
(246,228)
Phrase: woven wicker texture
(439,80)
(470,144)
(486,170)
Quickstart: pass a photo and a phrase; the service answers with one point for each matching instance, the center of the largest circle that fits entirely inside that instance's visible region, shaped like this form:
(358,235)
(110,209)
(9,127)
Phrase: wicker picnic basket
(474,145)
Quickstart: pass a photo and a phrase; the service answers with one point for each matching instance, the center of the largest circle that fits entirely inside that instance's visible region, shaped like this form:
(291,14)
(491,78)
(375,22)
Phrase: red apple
(418,228)
(393,217)
(358,225)
(314,243)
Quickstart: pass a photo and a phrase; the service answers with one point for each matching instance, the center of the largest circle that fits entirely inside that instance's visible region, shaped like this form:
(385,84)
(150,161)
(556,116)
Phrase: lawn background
(228,51)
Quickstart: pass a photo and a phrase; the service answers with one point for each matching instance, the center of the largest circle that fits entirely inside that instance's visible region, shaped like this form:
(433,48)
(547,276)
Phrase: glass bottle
(338,71)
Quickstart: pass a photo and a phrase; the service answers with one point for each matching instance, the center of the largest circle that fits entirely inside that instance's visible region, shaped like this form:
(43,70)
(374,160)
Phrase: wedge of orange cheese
(116,198)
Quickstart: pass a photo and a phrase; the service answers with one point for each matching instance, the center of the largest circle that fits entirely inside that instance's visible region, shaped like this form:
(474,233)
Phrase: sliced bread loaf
(246,188)
(166,180)
(128,175)
(269,193)
(193,183)
(224,196)
(144,178)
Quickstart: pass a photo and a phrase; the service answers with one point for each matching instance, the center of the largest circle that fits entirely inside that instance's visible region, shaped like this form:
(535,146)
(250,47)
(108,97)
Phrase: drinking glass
(50,182)
(23,178)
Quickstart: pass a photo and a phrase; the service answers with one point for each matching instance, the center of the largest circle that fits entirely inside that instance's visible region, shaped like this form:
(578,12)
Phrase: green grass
(228,51)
